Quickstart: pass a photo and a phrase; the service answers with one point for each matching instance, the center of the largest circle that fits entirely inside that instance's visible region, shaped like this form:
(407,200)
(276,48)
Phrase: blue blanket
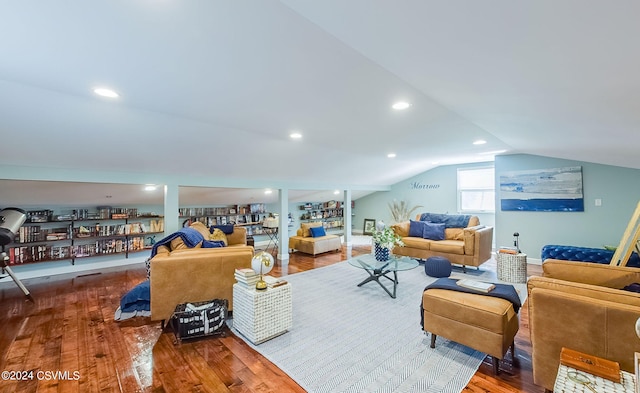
(503,291)
(190,237)
(449,220)
(137,299)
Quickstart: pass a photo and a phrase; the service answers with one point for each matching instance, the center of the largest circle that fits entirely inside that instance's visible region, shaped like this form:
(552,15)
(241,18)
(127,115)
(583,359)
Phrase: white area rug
(358,339)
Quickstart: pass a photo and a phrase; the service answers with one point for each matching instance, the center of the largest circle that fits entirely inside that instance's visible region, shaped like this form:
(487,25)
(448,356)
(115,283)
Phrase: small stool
(485,323)
(437,267)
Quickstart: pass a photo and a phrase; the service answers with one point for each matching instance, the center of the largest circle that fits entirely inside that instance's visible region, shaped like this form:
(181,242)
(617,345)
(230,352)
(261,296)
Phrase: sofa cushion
(433,231)
(454,233)
(200,227)
(417,242)
(218,235)
(448,246)
(305,227)
(401,229)
(416,228)
(317,231)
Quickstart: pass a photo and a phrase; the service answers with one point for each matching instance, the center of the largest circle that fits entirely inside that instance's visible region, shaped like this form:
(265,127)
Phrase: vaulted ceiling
(214,88)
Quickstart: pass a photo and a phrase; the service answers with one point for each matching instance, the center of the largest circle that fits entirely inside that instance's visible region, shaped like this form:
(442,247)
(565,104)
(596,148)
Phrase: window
(476,190)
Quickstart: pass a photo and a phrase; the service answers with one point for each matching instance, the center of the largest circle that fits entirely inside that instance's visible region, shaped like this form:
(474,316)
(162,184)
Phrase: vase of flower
(384,240)
(381,253)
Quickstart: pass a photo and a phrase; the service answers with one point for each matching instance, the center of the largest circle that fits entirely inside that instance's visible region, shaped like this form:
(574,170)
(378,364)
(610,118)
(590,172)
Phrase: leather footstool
(485,323)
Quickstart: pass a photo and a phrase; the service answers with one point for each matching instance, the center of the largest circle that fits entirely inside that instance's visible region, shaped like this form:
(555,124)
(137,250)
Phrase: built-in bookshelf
(331,214)
(250,216)
(80,233)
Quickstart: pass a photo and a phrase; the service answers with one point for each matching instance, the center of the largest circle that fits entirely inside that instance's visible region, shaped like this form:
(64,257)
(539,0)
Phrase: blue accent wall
(617,187)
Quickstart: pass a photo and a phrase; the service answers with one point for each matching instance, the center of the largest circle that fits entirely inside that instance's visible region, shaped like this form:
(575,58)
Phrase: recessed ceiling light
(268,191)
(150,187)
(479,142)
(336,192)
(295,135)
(104,92)
(400,105)
(391,155)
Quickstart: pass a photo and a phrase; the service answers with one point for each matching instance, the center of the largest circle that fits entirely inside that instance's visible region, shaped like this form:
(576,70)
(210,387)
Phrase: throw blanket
(190,237)
(449,220)
(503,291)
(136,302)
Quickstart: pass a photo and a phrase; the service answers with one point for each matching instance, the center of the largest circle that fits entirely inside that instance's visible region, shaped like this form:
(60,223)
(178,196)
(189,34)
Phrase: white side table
(262,315)
(512,267)
(567,385)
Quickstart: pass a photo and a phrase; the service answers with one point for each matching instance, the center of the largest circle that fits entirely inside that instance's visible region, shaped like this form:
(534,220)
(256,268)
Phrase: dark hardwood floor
(71,328)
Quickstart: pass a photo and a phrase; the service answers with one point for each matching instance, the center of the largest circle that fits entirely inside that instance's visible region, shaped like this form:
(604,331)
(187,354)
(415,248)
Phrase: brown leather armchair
(581,306)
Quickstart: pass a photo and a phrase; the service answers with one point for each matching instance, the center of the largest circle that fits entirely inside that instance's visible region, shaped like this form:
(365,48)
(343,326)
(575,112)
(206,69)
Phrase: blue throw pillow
(226,229)
(317,231)
(416,228)
(433,231)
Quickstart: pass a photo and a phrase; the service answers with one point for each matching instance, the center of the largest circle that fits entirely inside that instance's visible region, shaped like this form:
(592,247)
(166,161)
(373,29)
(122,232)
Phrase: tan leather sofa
(196,274)
(470,246)
(580,306)
(303,241)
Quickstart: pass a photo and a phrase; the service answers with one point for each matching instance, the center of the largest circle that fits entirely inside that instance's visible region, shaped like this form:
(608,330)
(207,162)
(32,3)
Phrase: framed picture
(369,226)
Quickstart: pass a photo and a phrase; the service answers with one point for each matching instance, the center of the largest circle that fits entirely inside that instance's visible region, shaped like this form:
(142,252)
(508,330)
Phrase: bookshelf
(80,233)
(250,216)
(331,214)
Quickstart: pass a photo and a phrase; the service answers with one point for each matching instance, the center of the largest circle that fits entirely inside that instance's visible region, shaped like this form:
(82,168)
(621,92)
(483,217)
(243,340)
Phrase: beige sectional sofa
(304,242)
(468,246)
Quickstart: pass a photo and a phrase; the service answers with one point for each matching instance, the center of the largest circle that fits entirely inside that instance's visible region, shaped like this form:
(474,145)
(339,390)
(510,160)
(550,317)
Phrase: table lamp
(262,263)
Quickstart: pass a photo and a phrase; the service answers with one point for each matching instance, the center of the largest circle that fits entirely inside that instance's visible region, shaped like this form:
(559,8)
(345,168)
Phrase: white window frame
(461,190)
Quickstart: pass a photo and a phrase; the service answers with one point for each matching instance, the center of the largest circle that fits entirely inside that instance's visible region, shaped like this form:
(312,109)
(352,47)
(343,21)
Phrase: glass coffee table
(377,269)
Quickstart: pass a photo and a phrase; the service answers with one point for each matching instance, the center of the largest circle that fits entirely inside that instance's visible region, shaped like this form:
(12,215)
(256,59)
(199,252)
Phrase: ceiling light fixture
(150,187)
(295,135)
(336,192)
(479,142)
(400,105)
(268,191)
(391,155)
(104,92)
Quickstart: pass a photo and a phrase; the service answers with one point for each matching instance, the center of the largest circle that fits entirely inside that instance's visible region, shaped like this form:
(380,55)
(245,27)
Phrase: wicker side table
(512,267)
(262,315)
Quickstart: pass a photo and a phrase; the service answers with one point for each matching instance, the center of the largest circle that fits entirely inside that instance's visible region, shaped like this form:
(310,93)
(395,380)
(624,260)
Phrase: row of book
(35,233)
(42,253)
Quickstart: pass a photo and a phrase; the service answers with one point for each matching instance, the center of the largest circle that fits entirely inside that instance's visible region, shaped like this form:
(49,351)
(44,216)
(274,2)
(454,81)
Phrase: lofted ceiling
(213,88)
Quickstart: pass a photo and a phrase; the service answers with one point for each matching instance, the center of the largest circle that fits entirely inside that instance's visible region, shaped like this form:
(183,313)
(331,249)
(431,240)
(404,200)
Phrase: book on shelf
(476,285)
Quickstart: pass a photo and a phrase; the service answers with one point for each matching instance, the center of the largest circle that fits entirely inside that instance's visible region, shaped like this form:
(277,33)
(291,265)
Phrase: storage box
(199,319)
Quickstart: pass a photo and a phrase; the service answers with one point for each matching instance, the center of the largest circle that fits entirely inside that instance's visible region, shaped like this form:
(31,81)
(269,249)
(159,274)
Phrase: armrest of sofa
(401,229)
(590,319)
(591,273)
(193,276)
(478,241)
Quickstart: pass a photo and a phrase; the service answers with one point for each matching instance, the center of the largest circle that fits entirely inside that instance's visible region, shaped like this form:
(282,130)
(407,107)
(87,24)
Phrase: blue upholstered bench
(584,254)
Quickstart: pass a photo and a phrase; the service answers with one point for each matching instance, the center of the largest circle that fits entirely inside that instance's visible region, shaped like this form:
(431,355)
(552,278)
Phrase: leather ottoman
(485,323)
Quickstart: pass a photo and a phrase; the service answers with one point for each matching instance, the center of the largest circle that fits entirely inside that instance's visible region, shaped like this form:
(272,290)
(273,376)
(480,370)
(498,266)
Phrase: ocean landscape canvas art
(554,189)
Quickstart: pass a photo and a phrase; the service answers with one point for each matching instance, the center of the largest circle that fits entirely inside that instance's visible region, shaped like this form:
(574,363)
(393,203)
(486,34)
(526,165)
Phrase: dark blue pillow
(416,228)
(433,231)
(317,231)
(226,229)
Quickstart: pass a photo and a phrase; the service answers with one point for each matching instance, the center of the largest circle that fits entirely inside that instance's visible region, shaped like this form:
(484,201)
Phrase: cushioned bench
(305,242)
(584,254)
(484,323)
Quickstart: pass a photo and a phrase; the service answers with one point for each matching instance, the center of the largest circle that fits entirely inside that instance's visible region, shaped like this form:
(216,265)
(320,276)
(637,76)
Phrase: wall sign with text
(416,185)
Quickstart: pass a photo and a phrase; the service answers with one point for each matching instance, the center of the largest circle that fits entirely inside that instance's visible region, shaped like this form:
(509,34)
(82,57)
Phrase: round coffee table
(377,269)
